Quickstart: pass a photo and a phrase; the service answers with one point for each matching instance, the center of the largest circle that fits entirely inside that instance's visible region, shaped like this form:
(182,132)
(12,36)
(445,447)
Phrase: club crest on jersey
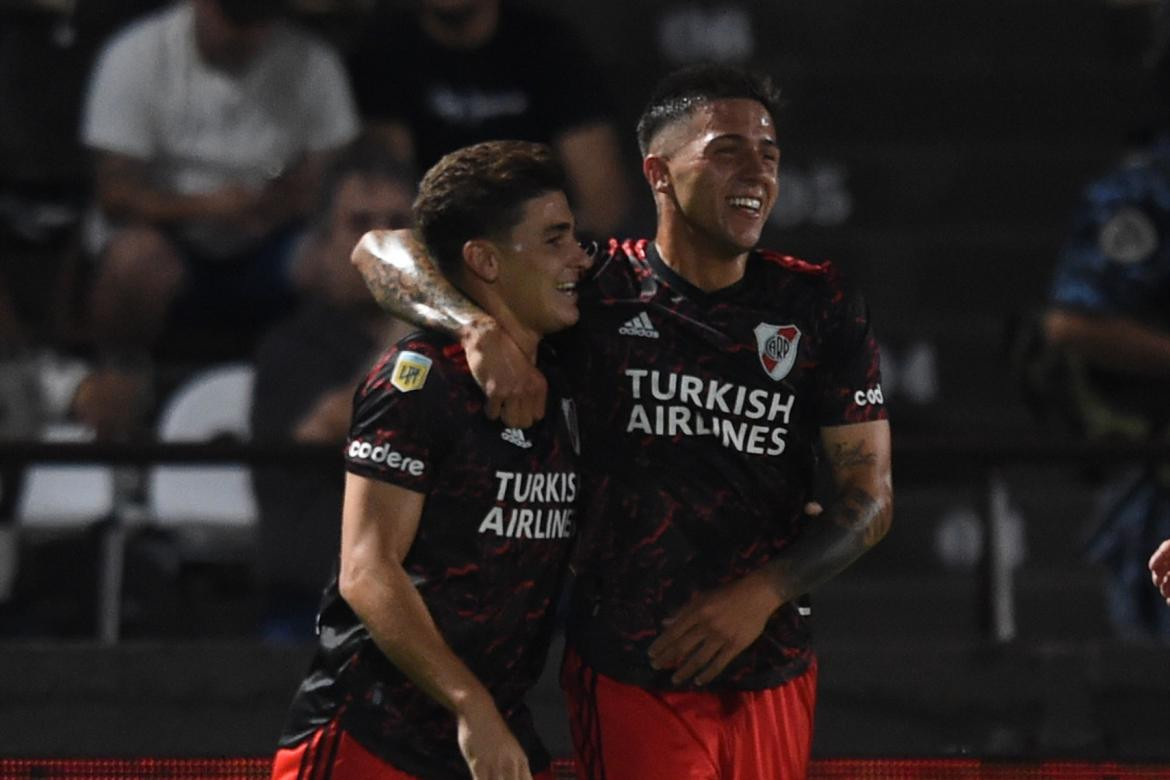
(410,371)
(777,348)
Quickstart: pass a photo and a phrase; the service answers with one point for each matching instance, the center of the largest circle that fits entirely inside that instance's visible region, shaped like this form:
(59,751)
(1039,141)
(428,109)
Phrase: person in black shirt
(449,73)
(455,528)
(710,373)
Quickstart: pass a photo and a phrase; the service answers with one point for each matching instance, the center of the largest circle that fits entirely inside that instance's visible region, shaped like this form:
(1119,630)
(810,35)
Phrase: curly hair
(480,191)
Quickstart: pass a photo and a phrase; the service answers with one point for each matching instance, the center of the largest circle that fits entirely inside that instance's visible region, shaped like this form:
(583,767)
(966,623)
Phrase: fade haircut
(479,191)
(684,91)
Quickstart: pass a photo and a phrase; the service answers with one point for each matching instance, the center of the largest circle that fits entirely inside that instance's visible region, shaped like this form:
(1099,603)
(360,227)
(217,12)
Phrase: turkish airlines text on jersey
(723,400)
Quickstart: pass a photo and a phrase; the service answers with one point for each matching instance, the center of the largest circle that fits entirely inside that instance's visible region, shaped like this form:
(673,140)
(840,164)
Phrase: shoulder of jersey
(419,362)
(796,265)
(633,251)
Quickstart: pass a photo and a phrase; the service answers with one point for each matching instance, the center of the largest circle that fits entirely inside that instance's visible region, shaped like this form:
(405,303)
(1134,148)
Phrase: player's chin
(746,240)
(570,316)
(568,313)
(565,316)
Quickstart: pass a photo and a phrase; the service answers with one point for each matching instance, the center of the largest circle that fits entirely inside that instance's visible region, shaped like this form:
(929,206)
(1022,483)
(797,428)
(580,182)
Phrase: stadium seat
(65,495)
(206,502)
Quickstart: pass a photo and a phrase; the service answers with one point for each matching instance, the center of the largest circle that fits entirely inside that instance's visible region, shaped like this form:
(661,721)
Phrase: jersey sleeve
(399,432)
(850,381)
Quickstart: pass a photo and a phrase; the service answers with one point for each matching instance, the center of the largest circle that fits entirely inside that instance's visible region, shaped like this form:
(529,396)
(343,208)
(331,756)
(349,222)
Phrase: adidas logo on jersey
(639,326)
(515,436)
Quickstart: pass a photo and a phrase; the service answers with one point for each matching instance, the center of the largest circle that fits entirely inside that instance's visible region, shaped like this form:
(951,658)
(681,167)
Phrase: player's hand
(713,628)
(490,750)
(516,391)
(1160,569)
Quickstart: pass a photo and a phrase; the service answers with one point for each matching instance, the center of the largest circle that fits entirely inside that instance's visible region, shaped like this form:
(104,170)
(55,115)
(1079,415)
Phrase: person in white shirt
(210,123)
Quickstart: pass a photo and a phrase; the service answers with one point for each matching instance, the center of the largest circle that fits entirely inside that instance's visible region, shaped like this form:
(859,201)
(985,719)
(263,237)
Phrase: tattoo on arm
(845,456)
(852,525)
(406,282)
(858,511)
(858,518)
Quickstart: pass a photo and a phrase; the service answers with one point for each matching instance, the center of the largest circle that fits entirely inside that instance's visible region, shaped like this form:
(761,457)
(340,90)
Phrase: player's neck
(694,259)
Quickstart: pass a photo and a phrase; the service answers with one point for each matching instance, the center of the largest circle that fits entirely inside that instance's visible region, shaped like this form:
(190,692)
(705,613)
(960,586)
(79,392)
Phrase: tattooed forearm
(853,523)
(406,282)
(850,456)
(857,517)
(858,511)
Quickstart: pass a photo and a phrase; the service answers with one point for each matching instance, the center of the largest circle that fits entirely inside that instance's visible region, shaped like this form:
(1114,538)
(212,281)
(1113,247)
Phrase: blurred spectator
(455,72)
(1109,313)
(308,368)
(211,122)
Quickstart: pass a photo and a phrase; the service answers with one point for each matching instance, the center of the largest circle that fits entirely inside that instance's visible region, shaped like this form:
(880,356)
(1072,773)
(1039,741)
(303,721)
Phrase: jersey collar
(696,294)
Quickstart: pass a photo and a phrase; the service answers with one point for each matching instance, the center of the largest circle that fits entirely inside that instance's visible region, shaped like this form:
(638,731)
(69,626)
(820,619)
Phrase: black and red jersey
(488,559)
(700,412)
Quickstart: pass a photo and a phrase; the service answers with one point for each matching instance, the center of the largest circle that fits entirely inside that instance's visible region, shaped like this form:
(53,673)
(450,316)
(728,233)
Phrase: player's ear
(481,259)
(657,173)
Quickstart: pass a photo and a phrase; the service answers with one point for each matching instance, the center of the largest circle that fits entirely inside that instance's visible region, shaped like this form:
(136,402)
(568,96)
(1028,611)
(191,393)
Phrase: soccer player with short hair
(709,373)
(455,528)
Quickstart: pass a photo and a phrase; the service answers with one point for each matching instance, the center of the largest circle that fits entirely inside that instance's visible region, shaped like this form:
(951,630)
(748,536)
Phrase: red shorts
(623,732)
(331,754)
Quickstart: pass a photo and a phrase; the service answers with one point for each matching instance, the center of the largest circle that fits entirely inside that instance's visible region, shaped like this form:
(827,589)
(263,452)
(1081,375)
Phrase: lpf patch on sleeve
(410,371)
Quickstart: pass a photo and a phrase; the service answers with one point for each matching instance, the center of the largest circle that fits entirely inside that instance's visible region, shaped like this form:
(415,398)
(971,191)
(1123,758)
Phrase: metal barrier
(915,458)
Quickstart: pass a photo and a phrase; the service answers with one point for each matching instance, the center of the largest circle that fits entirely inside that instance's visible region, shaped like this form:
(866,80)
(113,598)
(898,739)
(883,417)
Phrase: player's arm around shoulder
(405,281)
(379,523)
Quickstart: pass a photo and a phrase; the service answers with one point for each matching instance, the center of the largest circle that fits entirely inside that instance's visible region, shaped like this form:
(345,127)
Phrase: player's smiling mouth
(747,203)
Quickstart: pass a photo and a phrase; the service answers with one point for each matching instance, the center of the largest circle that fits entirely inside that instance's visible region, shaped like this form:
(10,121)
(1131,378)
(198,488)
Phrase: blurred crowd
(205,134)
(183,183)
